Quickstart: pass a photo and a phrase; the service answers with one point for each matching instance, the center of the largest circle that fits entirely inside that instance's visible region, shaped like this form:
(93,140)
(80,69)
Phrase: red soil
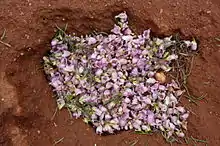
(26,102)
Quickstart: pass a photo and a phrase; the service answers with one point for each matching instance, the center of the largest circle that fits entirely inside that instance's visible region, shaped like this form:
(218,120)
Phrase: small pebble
(38,131)
(161,77)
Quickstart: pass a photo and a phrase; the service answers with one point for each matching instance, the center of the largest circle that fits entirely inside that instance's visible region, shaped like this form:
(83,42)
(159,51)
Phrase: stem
(6,44)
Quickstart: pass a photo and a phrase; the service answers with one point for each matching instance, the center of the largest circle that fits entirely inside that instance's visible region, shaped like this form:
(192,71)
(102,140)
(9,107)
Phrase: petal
(99,129)
(66,53)
(91,40)
(193,45)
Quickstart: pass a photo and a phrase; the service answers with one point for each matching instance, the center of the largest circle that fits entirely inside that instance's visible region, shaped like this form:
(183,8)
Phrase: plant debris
(58,141)
(118,81)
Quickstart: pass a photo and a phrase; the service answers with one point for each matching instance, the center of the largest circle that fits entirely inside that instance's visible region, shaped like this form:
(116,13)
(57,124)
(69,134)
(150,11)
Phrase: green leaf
(166,55)
(143,132)
(198,140)
(86,120)
(69,97)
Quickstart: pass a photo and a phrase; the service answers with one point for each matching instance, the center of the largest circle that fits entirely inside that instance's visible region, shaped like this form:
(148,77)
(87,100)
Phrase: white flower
(151,81)
(91,40)
(193,45)
(99,130)
(81,69)
(98,72)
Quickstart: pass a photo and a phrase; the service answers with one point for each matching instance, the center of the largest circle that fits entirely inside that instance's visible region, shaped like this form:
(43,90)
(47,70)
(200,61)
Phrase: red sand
(26,102)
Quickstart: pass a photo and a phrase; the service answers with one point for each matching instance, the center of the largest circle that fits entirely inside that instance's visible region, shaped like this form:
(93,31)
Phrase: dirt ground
(26,100)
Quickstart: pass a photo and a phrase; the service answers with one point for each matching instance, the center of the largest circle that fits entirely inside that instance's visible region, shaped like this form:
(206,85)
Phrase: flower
(99,130)
(117,81)
(122,17)
(66,53)
(128,92)
(116,29)
(193,45)
(98,72)
(150,118)
(54,42)
(91,40)
(146,34)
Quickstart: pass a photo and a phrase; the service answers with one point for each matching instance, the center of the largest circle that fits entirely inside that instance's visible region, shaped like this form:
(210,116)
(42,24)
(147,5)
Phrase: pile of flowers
(117,81)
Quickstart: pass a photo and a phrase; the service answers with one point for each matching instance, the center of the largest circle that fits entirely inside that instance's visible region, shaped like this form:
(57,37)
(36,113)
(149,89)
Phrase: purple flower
(127,100)
(128,85)
(77,114)
(109,85)
(94,55)
(162,87)
(127,31)
(91,40)
(69,68)
(134,72)
(163,107)
(123,61)
(75,81)
(146,34)
(107,117)
(185,116)
(172,126)
(134,101)
(56,83)
(181,109)
(97,111)
(113,77)
(150,117)
(107,92)
(116,87)
(137,124)
(98,72)
(105,79)
(54,42)
(146,100)
(78,91)
(134,60)
(116,29)
(122,122)
(128,92)
(141,88)
(66,53)
(114,62)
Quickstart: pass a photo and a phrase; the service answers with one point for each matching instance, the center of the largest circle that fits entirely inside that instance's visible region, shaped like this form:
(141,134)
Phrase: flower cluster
(109,80)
